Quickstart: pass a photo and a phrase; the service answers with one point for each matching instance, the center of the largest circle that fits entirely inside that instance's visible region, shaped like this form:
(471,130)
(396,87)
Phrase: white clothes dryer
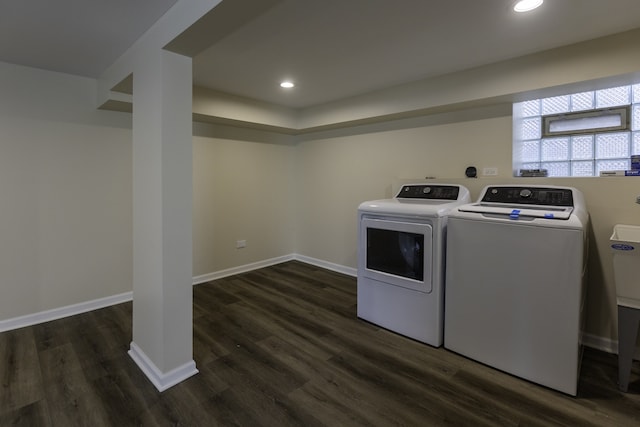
(401,259)
(515,282)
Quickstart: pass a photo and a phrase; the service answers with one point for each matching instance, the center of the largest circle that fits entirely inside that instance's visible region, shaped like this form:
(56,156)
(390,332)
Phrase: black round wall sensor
(471,172)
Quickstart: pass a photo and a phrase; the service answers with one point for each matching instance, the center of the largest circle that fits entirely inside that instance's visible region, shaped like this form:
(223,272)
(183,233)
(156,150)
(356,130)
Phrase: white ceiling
(80,37)
(332,49)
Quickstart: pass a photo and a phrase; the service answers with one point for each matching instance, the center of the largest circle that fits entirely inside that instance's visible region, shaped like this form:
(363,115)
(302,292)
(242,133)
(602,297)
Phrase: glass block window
(613,97)
(612,145)
(582,101)
(532,108)
(636,93)
(611,165)
(531,151)
(531,128)
(557,104)
(555,149)
(582,147)
(582,168)
(584,153)
(635,117)
(635,148)
(556,168)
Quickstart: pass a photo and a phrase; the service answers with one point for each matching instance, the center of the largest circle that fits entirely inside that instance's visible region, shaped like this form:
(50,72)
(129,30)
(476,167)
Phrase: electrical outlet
(490,171)
(241,244)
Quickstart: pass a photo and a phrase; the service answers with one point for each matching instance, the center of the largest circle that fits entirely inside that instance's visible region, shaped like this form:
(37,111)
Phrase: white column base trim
(162,381)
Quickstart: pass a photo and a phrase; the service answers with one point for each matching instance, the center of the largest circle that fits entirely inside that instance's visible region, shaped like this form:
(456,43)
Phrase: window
(579,134)
(602,120)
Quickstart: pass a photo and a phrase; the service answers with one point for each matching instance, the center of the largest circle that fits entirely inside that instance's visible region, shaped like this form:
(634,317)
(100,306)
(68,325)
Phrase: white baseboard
(605,344)
(593,341)
(161,380)
(349,271)
(273,261)
(83,307)
(59,313)
(240,269)
(600,343)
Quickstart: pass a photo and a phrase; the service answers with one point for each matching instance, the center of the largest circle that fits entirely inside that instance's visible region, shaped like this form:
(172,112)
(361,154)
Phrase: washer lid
(516,211)
(531,195)
(532,202)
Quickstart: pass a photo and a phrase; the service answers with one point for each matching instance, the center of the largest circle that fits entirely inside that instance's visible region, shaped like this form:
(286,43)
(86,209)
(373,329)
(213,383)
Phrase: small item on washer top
(515,214)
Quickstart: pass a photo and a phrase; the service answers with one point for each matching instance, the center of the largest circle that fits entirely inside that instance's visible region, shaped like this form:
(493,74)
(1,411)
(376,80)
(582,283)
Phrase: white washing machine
(515,282)
(401,259)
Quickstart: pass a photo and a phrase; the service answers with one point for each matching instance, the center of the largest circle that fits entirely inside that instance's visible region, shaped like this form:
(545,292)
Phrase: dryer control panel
(426,191)
(529,196)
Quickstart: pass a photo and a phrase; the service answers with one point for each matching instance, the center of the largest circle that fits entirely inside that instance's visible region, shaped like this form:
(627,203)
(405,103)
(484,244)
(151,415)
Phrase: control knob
(525,193)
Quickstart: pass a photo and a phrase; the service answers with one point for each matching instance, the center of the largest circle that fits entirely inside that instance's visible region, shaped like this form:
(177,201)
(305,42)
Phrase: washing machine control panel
(429,191)
(529,196)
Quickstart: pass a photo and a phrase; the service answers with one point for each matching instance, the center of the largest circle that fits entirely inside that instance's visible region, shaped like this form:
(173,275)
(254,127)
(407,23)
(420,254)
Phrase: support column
(162,343)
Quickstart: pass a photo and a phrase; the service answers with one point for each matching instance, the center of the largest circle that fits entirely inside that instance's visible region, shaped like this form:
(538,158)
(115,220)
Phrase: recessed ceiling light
(527,5)
(287,85)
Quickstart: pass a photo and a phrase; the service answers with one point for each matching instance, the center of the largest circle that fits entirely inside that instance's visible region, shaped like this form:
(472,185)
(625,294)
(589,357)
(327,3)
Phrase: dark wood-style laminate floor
(282,346)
